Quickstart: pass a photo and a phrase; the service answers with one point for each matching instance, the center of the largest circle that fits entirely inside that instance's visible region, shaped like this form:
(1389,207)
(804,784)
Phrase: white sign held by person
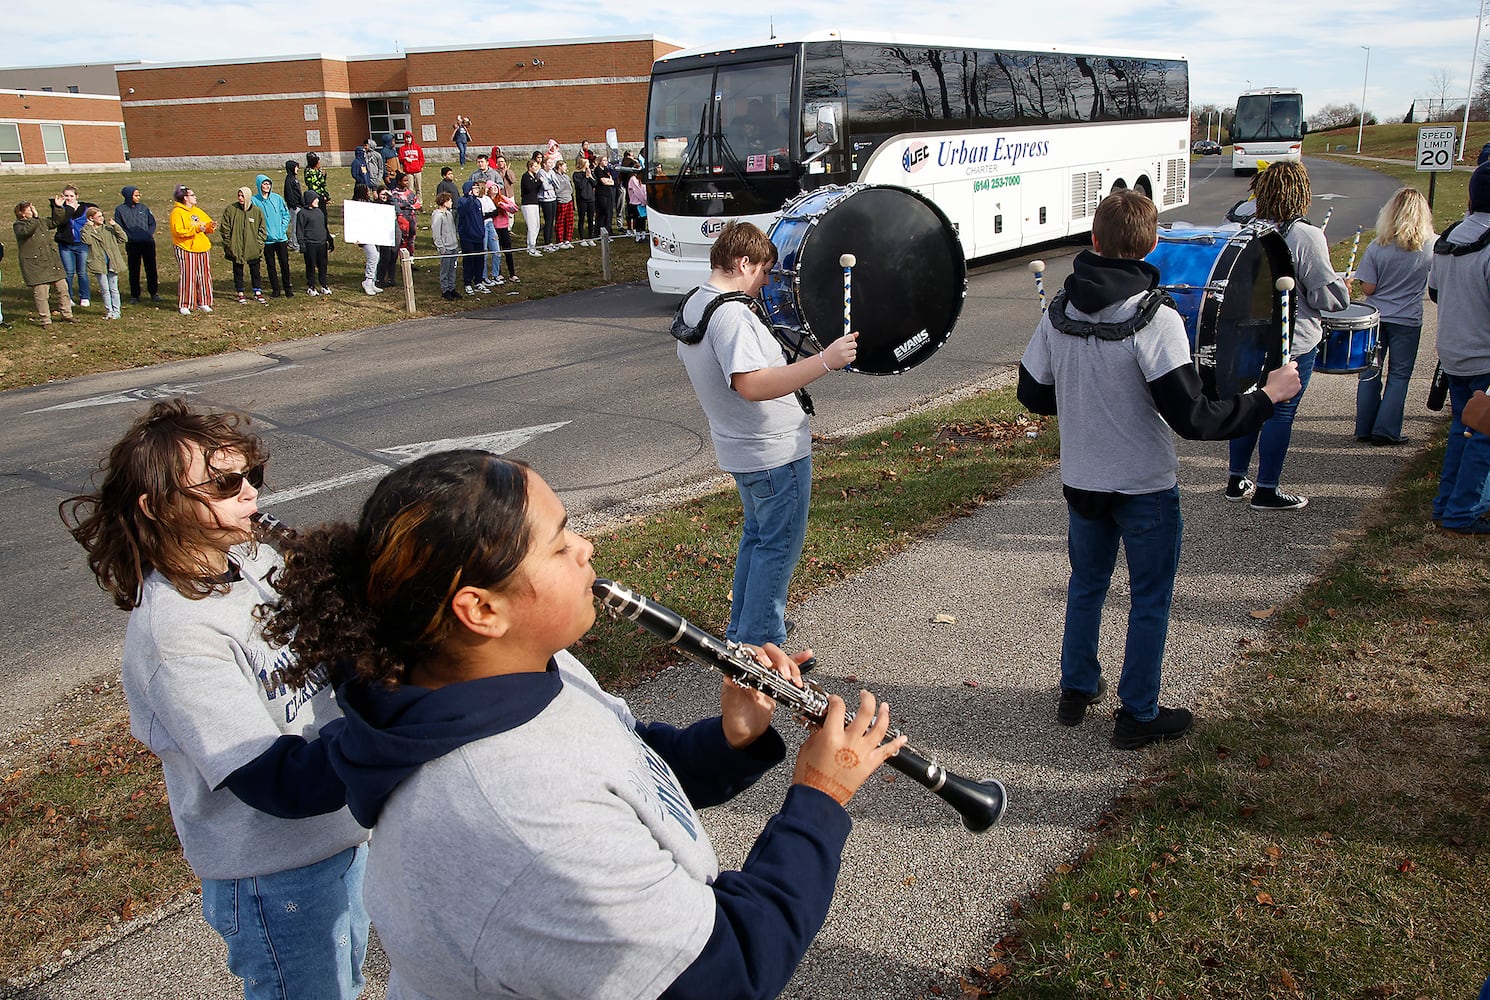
(369,222)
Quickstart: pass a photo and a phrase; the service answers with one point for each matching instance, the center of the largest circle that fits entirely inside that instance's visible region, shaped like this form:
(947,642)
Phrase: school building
(249,112)
(60,132)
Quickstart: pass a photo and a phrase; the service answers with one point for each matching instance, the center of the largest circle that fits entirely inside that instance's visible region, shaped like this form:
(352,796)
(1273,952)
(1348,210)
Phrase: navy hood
(388,734)
(1097,282)
(128,193)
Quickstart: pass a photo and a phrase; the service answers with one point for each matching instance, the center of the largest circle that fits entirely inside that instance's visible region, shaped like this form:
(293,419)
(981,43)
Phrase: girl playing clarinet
(533,838)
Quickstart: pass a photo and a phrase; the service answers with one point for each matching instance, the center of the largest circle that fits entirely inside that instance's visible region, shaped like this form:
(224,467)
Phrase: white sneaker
(312,291)
(533,253)
(185,311)
(369,287)
(483,290)
(325,290)
(470,289)
(205,309)
(83,302)
(496,281)
(376,290)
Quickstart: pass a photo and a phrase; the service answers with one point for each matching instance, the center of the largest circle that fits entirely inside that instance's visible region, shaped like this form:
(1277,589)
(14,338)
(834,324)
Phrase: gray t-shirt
(1463,286)
(560,859)
(748,436)
(1400,277)
(1320,288)
(205,696)
(1113,439)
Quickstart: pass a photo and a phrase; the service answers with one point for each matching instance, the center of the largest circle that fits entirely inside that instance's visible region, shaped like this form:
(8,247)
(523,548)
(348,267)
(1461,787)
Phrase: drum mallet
(1284,285)
(1037,268)
(847,262)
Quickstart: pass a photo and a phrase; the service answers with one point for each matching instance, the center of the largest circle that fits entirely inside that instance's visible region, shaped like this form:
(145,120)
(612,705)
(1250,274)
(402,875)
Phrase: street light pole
(1361,131)
(1464,135)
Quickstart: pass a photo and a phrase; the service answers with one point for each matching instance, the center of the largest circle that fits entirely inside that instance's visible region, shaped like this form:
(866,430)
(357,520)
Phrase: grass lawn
(153,332)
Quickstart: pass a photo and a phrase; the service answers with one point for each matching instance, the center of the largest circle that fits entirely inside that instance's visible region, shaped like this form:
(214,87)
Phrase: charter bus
(1015,143)
(1269,126)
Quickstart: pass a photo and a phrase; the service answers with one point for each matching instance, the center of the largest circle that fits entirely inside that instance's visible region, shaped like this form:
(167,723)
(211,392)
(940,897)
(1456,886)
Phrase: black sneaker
(1238,488)
(1270,499)
(1130,734)
(1071,709)
(791,626)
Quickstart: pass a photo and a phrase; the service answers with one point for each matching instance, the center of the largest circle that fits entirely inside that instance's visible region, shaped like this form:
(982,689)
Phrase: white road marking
(163,391)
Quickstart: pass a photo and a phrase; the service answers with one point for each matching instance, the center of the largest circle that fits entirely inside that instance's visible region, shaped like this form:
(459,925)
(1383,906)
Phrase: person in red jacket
(411,160)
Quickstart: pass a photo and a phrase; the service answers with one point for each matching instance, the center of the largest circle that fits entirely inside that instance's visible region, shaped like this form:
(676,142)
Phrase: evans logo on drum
(915,159)
(711,228)
(912,345)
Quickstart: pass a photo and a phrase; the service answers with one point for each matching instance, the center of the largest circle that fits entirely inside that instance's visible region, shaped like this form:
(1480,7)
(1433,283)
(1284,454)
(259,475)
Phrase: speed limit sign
(1436,148)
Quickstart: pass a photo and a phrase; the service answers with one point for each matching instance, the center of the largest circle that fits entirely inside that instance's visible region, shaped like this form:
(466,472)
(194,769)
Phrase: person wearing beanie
(243,235)
(313,236)
(1459,281)
(136,219)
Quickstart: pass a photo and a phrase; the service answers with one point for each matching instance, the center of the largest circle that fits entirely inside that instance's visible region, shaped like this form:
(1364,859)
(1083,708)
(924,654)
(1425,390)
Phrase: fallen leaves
(1264,613)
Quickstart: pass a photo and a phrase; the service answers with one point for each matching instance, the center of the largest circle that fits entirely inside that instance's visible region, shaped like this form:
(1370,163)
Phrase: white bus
(1269,126)
(1015,143)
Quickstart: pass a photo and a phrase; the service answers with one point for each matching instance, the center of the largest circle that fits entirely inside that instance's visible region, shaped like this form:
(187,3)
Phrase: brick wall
(90,128)
(183,116)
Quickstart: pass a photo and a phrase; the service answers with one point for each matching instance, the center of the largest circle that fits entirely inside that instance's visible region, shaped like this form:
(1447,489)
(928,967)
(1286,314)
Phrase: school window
(124,141)
(10,143)
(387,116)
(54,143)
(72,88)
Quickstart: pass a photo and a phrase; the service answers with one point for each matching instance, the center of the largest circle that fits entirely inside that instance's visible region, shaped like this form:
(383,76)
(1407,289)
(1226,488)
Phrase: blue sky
(1230,45)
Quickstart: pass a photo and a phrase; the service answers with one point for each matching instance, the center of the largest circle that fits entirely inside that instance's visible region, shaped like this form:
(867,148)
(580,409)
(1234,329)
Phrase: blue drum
(1222,282)
(909,278)
(1349,342)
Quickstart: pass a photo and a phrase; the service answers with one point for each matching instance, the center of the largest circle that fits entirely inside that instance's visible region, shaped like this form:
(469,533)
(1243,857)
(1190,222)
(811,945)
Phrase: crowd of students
(74,249)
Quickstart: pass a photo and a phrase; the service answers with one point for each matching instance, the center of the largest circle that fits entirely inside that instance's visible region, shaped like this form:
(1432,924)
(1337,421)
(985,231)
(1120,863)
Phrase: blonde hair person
(1393,275)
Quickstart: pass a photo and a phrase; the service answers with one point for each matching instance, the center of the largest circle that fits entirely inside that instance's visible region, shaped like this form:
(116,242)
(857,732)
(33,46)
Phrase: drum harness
(1443,246)
(1152,300)
(692,335)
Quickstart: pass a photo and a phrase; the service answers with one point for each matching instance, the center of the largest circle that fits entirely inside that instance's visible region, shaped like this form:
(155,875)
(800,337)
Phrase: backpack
(692,335)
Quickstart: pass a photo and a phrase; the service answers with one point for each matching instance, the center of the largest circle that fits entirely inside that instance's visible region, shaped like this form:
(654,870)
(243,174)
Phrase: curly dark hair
(372,601)
(1283,192)
(144,517)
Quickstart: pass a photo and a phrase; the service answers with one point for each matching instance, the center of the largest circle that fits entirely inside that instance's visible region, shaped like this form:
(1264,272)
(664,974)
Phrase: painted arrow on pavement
(499,442)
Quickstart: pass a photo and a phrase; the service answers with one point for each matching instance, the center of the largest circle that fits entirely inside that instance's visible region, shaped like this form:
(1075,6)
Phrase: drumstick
(1326,223)
(1037,268)
(1285,286)
(847,262)
(1350,267)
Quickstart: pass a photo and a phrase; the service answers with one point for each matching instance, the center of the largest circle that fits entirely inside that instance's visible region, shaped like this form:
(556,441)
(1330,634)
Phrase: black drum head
(1241,330)
(909,277)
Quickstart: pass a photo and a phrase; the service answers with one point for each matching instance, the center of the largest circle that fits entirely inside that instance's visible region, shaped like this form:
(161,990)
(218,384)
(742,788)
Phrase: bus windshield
(721,119)
(1268,116)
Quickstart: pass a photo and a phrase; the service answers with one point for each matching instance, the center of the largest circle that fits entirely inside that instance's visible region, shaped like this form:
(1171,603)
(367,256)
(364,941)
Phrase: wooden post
(605,253)
(406,265)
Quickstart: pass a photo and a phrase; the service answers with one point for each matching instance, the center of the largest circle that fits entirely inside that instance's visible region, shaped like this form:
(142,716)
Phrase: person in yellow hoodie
(189,229)
(105,239)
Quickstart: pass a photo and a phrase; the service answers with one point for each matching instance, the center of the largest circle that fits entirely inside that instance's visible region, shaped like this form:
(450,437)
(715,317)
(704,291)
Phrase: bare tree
(1439,84)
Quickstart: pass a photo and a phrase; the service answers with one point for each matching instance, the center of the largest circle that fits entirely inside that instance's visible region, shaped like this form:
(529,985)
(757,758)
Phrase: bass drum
(909,278)
(1222,281)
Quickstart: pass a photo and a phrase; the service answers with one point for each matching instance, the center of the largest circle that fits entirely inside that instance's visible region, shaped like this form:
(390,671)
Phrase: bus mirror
(827,125)
(1303,129)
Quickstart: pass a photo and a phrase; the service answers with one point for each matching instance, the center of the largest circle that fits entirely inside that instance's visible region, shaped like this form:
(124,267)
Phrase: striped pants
(194,287)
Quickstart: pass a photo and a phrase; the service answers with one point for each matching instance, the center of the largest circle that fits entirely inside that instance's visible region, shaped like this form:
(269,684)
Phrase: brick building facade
(60,132)
(242,113)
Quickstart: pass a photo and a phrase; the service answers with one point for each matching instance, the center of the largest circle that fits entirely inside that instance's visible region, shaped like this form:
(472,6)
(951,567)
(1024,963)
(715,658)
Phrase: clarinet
(980,803)
(270,529)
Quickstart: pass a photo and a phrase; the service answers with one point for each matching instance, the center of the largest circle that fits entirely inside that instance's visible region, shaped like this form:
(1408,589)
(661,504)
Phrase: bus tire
(1145,188)
(1118,185)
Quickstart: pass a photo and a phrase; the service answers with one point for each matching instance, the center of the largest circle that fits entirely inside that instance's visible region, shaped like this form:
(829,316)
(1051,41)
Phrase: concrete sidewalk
(920,898)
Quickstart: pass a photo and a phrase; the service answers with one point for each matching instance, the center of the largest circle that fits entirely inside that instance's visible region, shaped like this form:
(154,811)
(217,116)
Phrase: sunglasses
(226,485)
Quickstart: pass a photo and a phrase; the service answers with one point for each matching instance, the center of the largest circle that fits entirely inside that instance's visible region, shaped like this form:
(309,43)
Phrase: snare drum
(909,279)
(1222,281)
(1349,342)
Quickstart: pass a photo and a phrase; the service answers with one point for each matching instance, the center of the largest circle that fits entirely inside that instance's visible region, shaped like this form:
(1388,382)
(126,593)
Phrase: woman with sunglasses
(261,817)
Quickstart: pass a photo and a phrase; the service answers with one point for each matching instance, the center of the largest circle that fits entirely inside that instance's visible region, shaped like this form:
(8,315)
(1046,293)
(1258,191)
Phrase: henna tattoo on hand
(846,759)
(826,784)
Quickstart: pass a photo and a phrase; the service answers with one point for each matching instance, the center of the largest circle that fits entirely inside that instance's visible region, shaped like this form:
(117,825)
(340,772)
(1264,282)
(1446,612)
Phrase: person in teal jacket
(276,235)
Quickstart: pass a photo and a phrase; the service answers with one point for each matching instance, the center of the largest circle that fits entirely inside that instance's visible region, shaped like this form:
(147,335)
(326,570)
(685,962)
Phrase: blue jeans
(775,502)
(1149,526)
(1271,440)
(493,248)
(1464,484)
(75,263)
(1378,402)
(297,933)
(460,148)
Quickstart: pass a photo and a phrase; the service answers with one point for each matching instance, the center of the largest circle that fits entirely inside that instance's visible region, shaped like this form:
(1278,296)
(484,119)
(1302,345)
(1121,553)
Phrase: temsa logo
(711,228)
(915,159)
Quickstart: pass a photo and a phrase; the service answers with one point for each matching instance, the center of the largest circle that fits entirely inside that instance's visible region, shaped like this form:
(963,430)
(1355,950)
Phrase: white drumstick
(1354,245)
(1037,268)
(1285,287)
(847,262)
(1326,223)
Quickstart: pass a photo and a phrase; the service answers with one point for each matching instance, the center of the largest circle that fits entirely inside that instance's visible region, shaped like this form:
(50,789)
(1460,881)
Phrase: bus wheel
(1145,189)
(1119,185)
